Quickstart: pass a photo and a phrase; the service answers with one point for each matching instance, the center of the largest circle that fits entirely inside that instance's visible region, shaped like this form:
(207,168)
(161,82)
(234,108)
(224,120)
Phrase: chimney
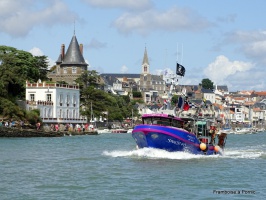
(81,48)
(62,51)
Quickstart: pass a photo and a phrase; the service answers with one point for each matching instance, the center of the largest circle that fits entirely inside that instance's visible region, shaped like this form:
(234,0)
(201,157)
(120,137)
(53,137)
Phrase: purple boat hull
(170,139)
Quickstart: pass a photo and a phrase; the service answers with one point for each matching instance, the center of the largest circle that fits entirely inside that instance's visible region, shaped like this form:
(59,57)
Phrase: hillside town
(60,103)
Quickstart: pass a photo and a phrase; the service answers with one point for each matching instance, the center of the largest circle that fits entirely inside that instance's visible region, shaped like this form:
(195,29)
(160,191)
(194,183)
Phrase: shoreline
(17,132)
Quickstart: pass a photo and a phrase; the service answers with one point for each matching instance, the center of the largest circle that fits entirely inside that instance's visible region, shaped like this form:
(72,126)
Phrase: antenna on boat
(177,52)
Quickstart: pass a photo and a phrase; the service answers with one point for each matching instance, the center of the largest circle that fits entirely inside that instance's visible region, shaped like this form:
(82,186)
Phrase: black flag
(180,70)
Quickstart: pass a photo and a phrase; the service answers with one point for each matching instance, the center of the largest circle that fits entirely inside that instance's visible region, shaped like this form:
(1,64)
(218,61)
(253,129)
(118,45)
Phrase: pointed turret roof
(145,58)
(73,54)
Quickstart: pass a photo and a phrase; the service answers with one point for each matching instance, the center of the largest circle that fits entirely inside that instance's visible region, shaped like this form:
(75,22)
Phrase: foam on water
(155,154)
(248,152)
(150,153)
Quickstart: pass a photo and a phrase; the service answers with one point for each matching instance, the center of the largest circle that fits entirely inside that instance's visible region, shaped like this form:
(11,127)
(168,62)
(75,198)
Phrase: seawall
(17,132)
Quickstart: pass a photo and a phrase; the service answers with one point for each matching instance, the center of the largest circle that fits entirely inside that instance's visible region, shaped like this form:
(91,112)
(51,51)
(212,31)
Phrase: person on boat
(213,130)
(186,126)
(164,104)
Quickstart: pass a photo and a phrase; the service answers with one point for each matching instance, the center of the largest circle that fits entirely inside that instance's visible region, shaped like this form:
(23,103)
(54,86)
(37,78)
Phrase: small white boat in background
(129,130)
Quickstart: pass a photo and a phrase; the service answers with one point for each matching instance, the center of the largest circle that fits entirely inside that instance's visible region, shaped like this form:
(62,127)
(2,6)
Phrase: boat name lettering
(190,138)
(176,142)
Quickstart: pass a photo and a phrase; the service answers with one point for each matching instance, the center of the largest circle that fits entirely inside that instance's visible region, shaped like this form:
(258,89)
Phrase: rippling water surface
(108,166)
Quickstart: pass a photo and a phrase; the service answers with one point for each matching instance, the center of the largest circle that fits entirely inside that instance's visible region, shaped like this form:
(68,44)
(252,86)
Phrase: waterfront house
(57,103)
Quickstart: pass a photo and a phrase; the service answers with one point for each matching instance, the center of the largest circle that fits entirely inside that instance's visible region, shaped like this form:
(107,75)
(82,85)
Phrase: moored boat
(119,130)
(162,131)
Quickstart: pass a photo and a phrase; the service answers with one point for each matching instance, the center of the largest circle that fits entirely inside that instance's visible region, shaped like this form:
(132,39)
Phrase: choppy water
(108,166)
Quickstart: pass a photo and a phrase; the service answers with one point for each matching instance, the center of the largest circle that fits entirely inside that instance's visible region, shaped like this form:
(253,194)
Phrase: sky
(224,41)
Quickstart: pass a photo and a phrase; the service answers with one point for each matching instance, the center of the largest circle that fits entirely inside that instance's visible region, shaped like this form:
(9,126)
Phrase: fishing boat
(171,133)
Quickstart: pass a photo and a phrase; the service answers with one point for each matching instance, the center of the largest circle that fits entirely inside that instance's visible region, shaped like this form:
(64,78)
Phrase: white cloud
(38,52)
(94,43)
(174,19)
(219,70)
(19,17)
(127,4)
(251,43)
(124,69)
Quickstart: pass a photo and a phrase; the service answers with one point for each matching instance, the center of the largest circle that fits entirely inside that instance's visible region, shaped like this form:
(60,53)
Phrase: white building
(57,103)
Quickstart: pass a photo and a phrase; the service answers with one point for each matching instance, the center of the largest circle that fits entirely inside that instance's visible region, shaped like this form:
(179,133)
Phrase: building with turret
(69,65)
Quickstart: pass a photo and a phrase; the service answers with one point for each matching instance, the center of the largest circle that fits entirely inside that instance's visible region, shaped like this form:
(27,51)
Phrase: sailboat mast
(91,112)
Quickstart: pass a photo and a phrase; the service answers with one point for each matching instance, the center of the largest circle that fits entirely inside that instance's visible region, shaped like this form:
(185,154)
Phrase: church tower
(145,63)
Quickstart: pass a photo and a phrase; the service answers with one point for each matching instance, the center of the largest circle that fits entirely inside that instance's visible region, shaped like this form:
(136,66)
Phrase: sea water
(108,166)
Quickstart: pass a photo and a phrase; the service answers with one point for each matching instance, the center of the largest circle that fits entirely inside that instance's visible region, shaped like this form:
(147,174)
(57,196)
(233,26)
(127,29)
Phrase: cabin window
(157,121)
(178,124)
(147,121)
(65,70)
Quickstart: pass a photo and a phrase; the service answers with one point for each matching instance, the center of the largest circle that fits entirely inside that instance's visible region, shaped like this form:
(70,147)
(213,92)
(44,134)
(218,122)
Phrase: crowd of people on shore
(10,123)
(70,127)
(52,127)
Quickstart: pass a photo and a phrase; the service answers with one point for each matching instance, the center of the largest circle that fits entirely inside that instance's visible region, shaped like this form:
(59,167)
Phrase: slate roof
(222,88)
(203,90)
(73,55)
(109,80)
(121,75)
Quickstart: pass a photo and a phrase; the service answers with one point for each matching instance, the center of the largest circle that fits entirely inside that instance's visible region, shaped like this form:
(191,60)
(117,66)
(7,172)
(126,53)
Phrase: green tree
(88,78)
(118,107)
(33,116)
(174,99)
(137,94)
(207,83)
(10,110)
(17,66)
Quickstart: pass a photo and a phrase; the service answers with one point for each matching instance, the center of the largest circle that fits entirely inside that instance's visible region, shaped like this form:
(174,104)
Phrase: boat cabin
(204,129)
(163,119)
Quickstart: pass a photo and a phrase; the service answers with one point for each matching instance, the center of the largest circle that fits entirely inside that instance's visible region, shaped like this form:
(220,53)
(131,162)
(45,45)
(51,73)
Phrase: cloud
(38,52)
(222,68)
(251,43)
(126,4)
(124,69)
(95,44)
(227,19)
(174,19)
(19,17)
